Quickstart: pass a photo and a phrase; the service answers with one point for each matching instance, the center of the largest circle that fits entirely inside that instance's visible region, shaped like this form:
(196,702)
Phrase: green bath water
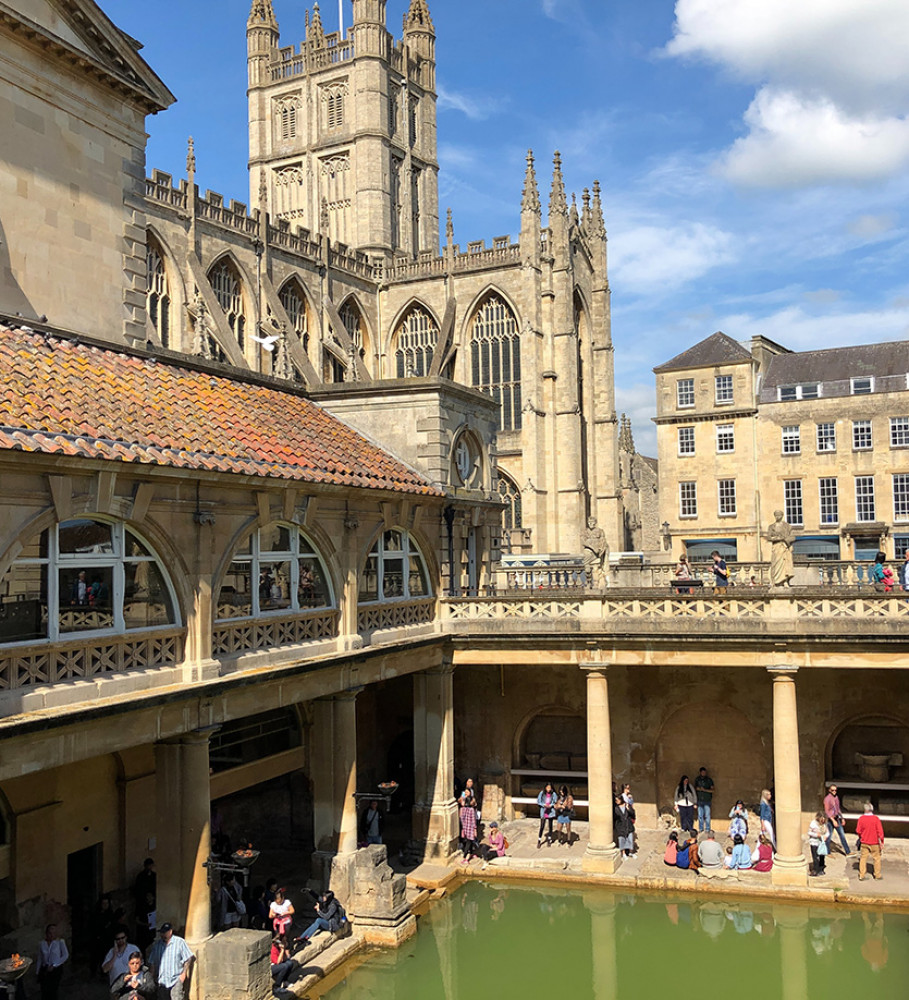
(494,941)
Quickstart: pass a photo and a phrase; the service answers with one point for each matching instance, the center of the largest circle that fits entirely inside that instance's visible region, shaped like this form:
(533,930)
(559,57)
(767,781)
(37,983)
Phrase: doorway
(83,889)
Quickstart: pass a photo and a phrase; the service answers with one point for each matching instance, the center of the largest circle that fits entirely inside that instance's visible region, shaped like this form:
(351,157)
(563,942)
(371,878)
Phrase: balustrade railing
(23,666)
(399,614)
(250,634)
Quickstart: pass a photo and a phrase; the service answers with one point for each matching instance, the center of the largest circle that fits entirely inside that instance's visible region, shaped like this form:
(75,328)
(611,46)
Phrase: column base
(789,871)
(435,829)
(601,860)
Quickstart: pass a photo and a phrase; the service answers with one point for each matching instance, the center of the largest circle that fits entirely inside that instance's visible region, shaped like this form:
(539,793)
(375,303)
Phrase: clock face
(463,460)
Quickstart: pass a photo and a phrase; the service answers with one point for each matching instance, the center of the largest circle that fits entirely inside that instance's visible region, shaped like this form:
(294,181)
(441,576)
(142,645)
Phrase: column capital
(781,670)
(442,669)
(595,667)
(194,736)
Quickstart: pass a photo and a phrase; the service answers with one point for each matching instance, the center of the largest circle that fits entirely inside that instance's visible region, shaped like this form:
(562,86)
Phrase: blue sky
(754,154)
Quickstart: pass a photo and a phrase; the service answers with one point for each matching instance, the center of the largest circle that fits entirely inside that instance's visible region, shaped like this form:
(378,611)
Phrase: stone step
(320,958)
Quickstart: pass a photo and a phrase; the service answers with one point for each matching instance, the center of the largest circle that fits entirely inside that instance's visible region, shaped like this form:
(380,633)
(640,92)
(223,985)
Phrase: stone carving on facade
(596,552)
(781,536)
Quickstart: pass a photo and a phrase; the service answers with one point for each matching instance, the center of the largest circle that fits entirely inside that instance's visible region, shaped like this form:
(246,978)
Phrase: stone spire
(597,222)
(449,228)
(626,438)
(417,18)
(262,14)
(585,214)
(530,201)
(558,203)
(573,217)
(316,33)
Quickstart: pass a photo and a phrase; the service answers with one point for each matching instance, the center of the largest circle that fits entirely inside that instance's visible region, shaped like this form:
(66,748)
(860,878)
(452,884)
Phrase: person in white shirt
(116,961)
(52,953)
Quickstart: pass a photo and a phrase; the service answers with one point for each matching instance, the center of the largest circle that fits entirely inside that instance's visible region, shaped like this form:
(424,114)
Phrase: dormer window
(862,386)
(808,390)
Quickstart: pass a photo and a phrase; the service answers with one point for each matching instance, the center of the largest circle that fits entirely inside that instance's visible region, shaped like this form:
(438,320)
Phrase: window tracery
(417,339)
(226,285)
(495,358)
(157,296)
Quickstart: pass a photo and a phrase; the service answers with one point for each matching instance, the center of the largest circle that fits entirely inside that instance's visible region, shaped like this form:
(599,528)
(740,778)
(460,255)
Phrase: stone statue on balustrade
(781,536)
(596,555)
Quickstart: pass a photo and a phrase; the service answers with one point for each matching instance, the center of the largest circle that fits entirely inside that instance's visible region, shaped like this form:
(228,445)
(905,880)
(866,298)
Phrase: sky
(754,154)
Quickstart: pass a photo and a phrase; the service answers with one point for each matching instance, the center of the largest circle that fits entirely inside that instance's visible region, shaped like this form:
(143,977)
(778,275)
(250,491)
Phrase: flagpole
(340,21)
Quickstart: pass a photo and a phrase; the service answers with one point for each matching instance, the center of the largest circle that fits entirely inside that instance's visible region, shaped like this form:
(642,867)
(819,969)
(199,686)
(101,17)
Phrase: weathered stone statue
(596,552)
(781,536)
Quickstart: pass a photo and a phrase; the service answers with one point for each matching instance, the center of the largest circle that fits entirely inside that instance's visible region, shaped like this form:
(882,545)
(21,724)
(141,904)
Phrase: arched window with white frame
(495,358)
(276,569)
(225,283)
(85,575)
(416,341)
(157,294)
(395,569)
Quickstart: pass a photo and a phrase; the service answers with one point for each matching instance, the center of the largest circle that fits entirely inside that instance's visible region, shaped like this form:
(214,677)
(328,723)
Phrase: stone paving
(841,880)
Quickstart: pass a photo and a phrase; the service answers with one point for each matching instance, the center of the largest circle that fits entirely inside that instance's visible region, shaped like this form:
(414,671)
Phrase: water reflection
(495,940)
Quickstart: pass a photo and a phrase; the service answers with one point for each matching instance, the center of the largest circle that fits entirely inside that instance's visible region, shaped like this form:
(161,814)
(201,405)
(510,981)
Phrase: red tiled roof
(59,396)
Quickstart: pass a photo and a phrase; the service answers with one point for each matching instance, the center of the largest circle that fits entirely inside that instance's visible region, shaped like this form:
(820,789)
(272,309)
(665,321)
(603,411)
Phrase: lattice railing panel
(374,617)
(266,633)
(26,667)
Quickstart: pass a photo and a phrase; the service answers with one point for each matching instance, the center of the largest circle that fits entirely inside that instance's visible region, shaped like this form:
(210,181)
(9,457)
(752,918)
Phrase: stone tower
(342,131)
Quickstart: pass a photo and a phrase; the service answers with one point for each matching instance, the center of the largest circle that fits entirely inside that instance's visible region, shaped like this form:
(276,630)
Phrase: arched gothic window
(157,295)
(395,569)
(84,575)
(418,337)
(225,283)
(295,306)
(510,495)
(276,569)
(495,359)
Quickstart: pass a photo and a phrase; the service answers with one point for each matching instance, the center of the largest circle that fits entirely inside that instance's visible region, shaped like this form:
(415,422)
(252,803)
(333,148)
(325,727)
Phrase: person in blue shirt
(720,573)
(741,856)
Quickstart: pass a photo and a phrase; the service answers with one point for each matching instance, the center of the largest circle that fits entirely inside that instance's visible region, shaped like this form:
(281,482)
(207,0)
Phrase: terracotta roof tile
(58,396)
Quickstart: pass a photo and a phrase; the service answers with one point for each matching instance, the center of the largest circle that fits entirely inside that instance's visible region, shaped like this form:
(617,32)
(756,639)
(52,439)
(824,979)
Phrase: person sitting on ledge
(671,855)
(496,843)
(330,916)
(741,856)
(710,853)
(762,857)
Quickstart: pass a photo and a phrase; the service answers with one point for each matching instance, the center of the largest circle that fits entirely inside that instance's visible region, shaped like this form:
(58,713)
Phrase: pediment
(80,27)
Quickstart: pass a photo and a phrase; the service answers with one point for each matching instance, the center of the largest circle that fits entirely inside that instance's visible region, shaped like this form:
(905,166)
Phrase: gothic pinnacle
(418,16)
(585,214)
(316,31)
(449,227)
(262,14)
(190,157)
(573,217)
(558,204)
(530,201)
(598,223)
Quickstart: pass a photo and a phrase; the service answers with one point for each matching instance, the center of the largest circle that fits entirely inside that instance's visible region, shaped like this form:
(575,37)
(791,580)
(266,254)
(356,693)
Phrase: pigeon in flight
(268,343)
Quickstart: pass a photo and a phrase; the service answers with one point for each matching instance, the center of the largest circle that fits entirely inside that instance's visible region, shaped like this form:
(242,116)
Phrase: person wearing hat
(170,960)
(495,843)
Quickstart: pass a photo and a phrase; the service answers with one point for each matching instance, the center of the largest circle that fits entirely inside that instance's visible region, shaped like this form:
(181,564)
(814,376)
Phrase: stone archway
(722,739)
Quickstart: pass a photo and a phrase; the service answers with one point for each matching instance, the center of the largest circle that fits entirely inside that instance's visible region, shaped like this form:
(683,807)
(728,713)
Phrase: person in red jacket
(871,838)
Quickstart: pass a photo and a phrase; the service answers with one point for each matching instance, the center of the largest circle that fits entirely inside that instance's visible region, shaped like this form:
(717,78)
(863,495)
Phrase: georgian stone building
(745,430)
(243,578)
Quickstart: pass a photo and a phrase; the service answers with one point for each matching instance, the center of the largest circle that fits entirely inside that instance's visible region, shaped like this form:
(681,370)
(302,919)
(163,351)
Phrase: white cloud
(646,259)
(833,79)
(869,227)
(804,331)
(476,108)
(794,141)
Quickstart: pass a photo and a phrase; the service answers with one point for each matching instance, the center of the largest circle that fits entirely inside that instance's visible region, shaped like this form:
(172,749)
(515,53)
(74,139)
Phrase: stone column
(435,812)
(184,834)
(334,775)
(601,854)
(789,864)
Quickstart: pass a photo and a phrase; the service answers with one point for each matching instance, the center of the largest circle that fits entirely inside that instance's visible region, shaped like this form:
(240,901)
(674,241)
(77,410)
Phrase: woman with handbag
(817,841)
